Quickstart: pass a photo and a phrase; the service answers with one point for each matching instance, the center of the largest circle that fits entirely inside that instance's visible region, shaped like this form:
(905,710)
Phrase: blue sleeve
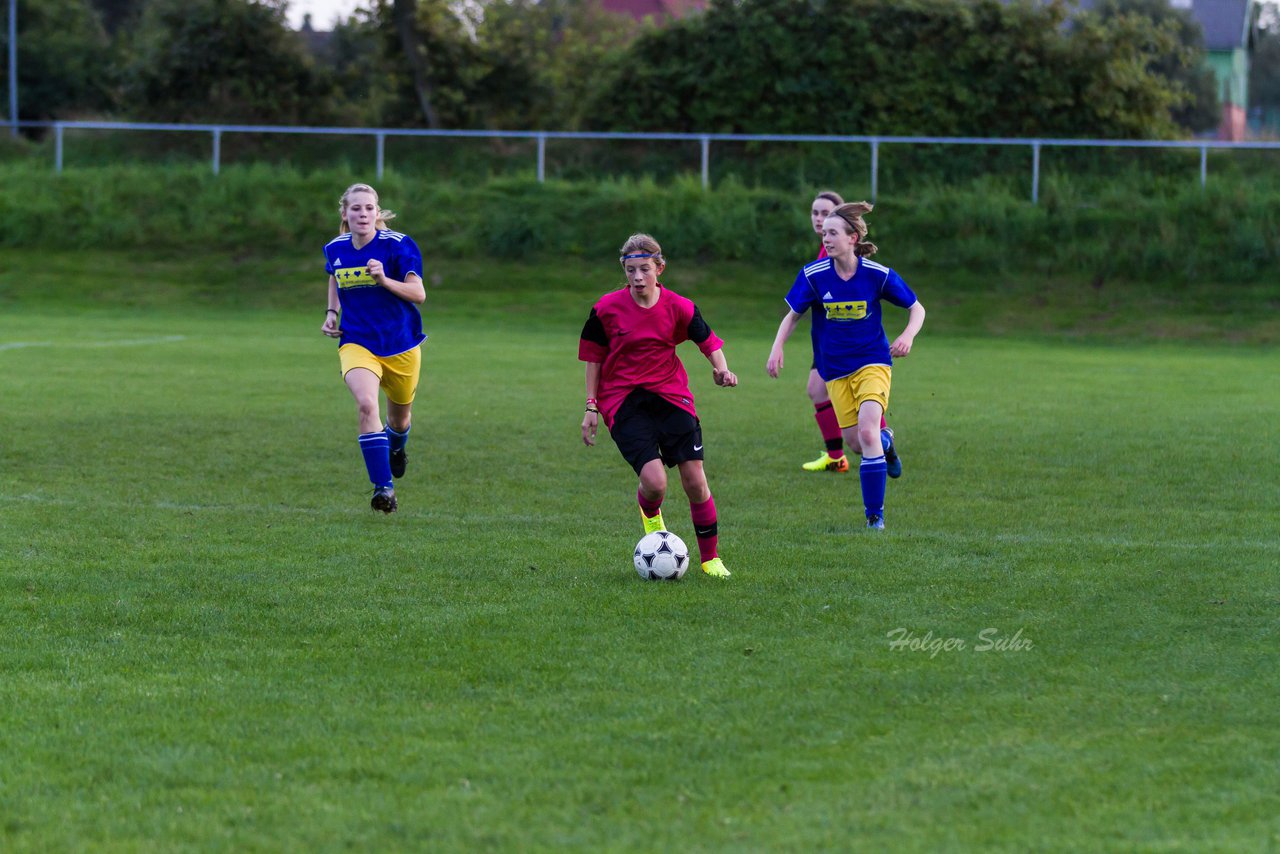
(896,291)
(801,296)
(409,259)
(328,264)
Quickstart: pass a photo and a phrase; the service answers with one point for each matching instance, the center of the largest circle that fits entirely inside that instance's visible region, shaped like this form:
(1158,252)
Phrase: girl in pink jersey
(639,386)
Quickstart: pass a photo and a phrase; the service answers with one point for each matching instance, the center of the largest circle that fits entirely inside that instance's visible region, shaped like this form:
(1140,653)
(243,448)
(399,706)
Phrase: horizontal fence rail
(703,140)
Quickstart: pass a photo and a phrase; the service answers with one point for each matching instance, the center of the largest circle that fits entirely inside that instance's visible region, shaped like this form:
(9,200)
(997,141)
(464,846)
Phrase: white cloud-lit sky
(323,12)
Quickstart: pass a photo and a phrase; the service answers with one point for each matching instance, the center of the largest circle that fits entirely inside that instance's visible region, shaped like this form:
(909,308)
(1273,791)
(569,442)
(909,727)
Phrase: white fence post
(1035,172)
(57,147)
(217,150)
(1204,165)
(706,161)
(382,151)
(542,157)
(875,168)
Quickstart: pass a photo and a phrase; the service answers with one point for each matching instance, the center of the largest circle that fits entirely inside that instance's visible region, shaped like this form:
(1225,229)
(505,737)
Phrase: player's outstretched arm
(901,345)
(720,370)
(785,328)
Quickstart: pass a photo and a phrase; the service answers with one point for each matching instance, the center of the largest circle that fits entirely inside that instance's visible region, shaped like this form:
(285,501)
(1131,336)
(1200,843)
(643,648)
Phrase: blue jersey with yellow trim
(372,316)
(852,334)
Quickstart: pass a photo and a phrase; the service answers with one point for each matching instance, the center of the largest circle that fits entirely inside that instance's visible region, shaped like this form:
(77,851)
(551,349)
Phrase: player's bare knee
(653,484)
(695,486)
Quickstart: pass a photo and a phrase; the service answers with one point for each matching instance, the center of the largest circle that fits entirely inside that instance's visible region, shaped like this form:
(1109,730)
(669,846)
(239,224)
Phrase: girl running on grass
(638,384)
(833,459)
(375,288)
(856,362)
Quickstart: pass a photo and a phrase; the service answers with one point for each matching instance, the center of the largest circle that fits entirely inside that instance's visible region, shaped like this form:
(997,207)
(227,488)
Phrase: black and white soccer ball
(661,556)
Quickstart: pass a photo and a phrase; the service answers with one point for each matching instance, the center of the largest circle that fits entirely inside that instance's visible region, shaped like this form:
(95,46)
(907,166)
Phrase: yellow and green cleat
(715,568)
(652,523)
(828,463)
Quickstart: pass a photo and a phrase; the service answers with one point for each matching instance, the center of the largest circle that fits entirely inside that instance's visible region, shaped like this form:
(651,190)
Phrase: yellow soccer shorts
(849,393)
(397,375)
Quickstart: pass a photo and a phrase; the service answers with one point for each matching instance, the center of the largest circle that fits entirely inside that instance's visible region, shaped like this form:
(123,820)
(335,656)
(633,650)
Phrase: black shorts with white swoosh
(647,427)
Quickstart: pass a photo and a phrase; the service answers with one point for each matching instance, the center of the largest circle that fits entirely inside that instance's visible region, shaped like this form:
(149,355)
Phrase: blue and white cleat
(875,523)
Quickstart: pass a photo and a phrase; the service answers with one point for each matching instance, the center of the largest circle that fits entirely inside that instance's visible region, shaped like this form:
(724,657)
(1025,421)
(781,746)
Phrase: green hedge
(1154,230)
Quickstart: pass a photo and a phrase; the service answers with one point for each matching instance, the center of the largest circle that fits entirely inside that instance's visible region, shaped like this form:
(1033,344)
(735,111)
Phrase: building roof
(1225,22)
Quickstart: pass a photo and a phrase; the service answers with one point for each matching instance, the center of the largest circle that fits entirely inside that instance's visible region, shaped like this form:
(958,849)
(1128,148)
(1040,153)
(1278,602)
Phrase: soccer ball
(661,556)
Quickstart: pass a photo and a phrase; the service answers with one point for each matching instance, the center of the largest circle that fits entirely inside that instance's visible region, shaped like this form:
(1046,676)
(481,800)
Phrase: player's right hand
(330,326)
(774,365)
(590,422)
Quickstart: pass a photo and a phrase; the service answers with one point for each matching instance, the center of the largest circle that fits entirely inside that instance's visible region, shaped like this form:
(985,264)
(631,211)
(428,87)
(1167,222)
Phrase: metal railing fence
(704,141)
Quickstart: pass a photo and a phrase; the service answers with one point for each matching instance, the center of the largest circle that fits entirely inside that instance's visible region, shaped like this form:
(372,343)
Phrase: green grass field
(211,642)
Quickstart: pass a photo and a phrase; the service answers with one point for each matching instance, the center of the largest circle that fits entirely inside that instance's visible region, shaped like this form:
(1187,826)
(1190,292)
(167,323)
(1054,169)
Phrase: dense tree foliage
(506,64)
(65,59)
(219,60)
(1264,72)
(941,67)
(1197,108)
(116,14)
(944,67)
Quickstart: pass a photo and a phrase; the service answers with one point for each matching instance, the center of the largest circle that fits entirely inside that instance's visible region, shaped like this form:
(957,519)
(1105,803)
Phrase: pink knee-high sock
(705,527)
(647,507)
(825,414)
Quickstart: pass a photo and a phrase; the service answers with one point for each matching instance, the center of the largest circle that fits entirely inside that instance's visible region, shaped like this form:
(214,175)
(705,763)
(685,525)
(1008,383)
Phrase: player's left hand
(725,378)
(374,269)
(901,346)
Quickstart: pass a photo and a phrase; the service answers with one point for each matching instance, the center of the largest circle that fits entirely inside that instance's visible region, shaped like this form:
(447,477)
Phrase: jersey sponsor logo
(353,277)
(846,310)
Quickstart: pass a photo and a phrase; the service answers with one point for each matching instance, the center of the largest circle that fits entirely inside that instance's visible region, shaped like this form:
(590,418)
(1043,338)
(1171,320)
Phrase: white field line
(85,345)
(360,506)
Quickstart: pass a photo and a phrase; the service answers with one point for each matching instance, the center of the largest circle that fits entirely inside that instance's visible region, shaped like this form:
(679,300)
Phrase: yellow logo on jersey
(846,310)
(353,277)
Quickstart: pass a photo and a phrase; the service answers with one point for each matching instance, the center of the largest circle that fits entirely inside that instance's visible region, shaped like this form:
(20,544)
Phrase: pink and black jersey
(636,347)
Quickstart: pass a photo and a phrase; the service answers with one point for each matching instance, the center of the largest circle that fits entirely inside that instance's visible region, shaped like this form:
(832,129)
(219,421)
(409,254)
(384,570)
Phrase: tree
(944,67)
(64,60)
(404,14)
(408,64)
(1264,72)
(117,14)
(539,57)
(221,60)
(1197,108)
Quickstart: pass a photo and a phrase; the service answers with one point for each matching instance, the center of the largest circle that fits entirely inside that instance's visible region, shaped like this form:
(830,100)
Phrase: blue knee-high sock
(874,475)
(397,440)
(377,457)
